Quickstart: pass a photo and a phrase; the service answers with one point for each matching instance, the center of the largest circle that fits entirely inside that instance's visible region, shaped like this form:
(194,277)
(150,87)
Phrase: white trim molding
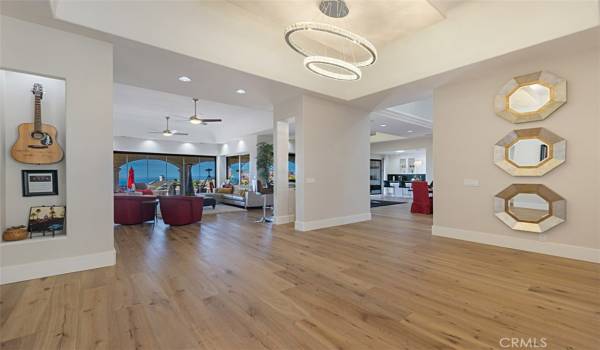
(535,246)
(39,269)
(403,117)
(283,219)
(330,222)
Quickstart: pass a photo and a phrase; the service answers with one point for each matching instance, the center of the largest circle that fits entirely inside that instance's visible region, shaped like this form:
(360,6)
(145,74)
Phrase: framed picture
(47,219)
(39,183)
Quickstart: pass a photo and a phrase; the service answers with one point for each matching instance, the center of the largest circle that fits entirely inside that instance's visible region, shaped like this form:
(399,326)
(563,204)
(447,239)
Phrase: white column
(281,137)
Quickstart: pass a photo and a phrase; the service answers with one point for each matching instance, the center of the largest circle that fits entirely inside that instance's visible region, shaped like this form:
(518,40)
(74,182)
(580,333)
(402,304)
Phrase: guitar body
(37,147)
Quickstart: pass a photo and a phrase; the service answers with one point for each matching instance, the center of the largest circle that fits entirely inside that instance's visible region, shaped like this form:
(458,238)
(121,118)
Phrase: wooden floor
(230,283)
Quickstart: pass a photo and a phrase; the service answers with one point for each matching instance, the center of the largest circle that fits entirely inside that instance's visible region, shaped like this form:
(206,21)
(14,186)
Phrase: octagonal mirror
(531,97)
(530,207)
(530,152)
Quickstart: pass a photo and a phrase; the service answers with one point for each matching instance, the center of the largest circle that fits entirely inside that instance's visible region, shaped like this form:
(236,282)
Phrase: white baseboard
(18,273)
(342,220)
(283,219)
(536,246)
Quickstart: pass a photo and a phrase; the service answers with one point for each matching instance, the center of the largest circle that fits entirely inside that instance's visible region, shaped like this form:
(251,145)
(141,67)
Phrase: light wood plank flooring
(230,283)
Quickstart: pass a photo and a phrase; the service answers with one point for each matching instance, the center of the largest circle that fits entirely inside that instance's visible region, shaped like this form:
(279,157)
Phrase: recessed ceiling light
(184,79)
(240,91)
(400,151)
(383,125)
(410,131)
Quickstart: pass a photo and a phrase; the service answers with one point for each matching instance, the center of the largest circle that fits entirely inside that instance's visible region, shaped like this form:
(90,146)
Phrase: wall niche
(19,107)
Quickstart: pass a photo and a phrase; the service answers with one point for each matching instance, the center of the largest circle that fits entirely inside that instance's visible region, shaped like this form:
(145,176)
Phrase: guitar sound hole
(38,135)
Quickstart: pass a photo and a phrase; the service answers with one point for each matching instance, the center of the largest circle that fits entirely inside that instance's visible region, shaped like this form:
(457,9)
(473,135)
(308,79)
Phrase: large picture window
(238,169)
(164,173)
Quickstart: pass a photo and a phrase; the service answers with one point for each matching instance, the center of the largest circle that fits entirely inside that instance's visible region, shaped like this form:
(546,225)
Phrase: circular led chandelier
(315,64)
(318,63)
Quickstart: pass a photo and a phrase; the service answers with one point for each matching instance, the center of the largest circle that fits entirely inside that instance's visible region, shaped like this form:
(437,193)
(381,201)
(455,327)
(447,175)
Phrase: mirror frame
(557,208)
(557,152)
(558,96)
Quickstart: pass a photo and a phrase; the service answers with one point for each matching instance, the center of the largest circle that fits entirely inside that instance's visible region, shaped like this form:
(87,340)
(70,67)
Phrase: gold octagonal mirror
(530,207)
(530,152)
(531,97)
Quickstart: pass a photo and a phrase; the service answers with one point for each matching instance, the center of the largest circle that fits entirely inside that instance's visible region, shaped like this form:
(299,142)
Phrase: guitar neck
(37,120)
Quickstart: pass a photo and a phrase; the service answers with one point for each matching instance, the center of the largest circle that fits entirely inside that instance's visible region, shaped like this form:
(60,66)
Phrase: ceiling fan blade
(211,120)
(155,132)
(180,134)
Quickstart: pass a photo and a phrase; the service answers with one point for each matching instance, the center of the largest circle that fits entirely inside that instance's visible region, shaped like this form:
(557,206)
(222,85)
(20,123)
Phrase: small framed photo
(39,183)
(47,219)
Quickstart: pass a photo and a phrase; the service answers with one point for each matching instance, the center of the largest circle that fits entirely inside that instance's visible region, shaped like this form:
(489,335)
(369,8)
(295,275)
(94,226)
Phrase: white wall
(132,144)
(332,155)
(86,66)
(285,199)
(392,162)
(465,131)
(18,109)
(2,148)
(425,142)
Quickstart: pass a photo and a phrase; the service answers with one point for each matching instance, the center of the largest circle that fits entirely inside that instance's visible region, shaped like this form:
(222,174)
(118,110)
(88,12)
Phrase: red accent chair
(422,203)
(133,210)
(181,210)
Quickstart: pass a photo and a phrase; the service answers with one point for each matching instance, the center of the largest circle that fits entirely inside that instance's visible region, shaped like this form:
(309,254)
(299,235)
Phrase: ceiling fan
(169,132)
(195,119)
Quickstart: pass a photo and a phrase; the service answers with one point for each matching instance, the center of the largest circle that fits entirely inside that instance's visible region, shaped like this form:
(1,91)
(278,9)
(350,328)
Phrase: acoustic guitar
(37,142)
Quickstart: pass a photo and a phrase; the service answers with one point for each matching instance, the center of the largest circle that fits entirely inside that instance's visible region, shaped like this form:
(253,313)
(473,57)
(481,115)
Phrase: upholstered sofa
(243,198)
(181,210)
(135,209)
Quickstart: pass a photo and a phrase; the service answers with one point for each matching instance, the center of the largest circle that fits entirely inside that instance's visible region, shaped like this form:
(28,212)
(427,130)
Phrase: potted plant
(264,161)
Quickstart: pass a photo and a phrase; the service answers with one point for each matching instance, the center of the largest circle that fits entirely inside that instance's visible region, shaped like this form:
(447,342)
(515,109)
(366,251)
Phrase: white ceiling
(138,111)
(143,65)
(413,119)
(224,33)
(154,68)
(407,153)
(422,109)
(397,127)
(380,21)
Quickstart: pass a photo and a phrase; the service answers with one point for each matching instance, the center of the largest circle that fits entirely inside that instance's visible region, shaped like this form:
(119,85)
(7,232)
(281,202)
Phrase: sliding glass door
(238,169)
(164,173)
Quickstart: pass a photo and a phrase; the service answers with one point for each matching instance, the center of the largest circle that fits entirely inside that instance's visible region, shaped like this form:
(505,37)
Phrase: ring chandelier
(316,62)
(354,39)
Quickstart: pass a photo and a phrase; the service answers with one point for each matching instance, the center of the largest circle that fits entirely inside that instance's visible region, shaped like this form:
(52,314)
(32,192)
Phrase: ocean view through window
(163,173)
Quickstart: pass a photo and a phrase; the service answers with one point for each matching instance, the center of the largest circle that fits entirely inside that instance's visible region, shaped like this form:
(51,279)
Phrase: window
(238,169)
(292,167)
(164,173)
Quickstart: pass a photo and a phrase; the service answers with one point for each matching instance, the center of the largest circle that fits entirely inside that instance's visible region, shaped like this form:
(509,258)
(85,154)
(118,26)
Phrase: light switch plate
(310,180)
(471,182)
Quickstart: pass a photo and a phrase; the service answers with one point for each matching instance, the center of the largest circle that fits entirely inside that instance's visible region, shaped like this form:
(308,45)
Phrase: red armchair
(181,210)
(422,203)
(132,210)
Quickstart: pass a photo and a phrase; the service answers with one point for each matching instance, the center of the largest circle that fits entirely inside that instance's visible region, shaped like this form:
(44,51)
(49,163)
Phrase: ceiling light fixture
(316,65)
(194,119)
(410,131)
(184,79)
(383,125)
(340,33)
(400,151)
(340,61)
(240,91)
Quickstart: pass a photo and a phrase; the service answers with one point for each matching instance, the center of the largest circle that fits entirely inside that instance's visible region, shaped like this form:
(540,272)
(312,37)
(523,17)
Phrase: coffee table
(209,200)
